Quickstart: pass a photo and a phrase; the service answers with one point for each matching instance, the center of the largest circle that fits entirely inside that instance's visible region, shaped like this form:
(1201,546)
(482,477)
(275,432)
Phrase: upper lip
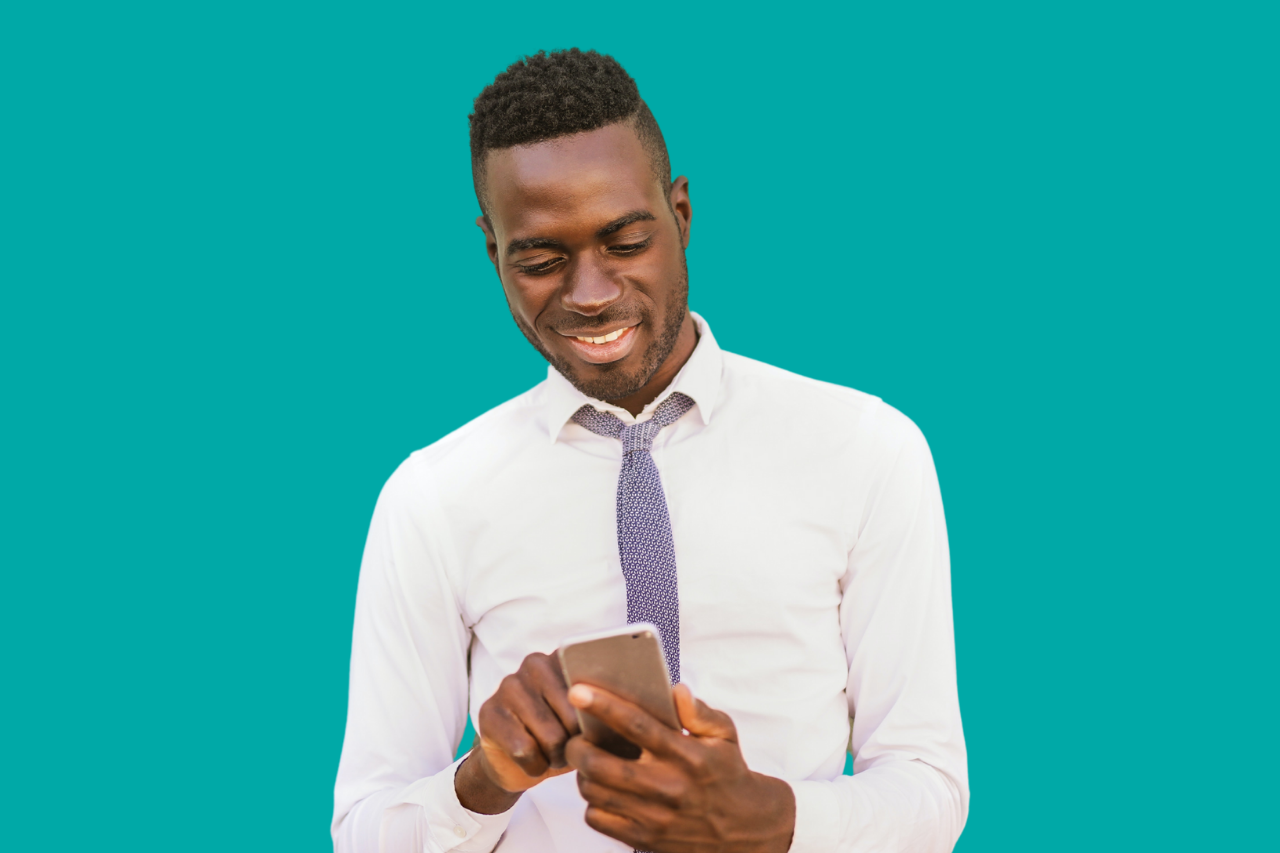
(596,333)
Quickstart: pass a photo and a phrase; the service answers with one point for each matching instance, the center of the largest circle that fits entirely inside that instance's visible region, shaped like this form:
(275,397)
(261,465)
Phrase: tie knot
(639,436)
(634,437)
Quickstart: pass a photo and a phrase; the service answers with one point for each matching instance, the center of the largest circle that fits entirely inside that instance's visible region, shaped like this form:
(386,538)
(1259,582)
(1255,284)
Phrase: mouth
(602,349)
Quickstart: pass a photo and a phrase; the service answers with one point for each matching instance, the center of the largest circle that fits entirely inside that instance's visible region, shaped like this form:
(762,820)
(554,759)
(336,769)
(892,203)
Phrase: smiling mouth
(606,348)
(606,338)
(602,339)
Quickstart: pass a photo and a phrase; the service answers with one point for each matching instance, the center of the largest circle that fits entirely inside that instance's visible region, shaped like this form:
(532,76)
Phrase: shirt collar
(699,379)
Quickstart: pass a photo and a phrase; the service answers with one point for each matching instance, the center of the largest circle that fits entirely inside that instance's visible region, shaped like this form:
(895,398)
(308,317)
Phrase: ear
(682,207)
(490,241)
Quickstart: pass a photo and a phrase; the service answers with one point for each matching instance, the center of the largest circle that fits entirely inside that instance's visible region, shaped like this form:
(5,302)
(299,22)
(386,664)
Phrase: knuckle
(639,726)
(534,663)
(502,714)
(509,685)
(675,790)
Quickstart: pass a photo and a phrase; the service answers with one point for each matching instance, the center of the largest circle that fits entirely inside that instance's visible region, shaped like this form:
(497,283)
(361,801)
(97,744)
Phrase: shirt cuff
(817,817)
(444,822)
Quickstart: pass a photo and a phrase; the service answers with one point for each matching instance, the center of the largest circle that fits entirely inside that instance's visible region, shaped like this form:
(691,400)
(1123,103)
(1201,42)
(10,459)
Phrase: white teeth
(603,339)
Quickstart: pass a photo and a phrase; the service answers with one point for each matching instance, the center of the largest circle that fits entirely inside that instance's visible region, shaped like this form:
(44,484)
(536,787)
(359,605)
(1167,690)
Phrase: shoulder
(511,422)
(811,406)
(475,450)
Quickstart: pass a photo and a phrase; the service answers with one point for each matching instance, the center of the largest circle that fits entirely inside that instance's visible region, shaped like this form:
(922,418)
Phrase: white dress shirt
(815,607)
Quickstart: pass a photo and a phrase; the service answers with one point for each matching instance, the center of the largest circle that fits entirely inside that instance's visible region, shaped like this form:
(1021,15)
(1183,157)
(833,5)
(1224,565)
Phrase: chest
(760,542)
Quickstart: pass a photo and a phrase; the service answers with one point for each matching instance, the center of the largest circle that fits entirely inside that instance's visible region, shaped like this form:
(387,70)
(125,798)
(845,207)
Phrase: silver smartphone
(628,662)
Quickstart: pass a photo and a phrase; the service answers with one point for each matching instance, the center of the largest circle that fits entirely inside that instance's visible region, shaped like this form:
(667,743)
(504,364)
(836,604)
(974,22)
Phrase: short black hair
(548,95)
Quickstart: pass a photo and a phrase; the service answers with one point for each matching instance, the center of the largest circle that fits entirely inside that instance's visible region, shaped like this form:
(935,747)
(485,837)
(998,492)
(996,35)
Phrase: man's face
(590,251)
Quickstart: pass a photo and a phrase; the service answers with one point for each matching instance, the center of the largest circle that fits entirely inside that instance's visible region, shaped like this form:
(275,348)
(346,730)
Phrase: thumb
(701,720)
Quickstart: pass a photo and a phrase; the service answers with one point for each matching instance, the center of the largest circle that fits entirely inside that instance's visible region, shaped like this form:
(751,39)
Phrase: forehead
(585,176)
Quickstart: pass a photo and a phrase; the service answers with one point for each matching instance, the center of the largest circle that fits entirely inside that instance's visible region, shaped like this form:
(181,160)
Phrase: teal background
(240,283)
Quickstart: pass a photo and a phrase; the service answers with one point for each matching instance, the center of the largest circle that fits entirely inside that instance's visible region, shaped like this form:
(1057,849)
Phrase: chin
(627,375)
(612,381)
(604,382)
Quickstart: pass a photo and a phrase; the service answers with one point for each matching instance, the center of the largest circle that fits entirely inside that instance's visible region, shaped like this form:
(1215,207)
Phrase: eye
(625,249)
(540,268)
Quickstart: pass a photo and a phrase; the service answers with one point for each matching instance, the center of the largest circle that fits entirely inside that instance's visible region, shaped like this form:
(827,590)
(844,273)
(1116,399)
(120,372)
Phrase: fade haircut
(555,94)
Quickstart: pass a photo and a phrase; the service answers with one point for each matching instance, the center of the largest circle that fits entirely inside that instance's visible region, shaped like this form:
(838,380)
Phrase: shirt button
(460,832)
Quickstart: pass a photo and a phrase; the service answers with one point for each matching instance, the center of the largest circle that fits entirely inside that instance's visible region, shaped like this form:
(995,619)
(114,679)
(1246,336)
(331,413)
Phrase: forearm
(426,815)
(407,704)
(360,827)
(900,805)
(910,787)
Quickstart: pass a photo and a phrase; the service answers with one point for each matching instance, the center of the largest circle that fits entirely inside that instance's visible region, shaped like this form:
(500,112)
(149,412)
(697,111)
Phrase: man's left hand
(686,793)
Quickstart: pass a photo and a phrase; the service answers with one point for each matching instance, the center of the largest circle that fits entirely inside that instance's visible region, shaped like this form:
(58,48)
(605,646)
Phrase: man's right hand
(524,727)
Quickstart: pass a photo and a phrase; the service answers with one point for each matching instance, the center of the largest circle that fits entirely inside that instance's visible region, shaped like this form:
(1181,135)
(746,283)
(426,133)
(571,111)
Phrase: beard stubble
(616,383)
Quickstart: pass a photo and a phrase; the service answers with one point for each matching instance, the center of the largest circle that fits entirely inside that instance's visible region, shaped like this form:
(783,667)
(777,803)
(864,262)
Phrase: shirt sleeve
(910,789)
(407,705)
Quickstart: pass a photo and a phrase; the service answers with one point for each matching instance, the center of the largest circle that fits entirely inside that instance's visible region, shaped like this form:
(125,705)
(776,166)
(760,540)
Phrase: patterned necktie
(644,527)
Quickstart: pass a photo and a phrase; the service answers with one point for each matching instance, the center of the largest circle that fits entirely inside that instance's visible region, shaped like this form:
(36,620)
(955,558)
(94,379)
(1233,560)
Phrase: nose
(589,288)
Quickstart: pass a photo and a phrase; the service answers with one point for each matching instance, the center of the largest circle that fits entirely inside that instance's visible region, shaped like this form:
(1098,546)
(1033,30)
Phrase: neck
(687,340)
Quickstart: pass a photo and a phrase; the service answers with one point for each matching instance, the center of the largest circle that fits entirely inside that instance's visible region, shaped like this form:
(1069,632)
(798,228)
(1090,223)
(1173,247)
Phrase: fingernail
(580,695)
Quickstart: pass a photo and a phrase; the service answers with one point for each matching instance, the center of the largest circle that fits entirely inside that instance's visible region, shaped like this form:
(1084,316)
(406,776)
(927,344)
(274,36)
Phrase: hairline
(654,149)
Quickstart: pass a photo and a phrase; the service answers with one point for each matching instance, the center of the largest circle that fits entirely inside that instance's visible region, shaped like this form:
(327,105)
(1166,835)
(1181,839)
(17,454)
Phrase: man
(786,534)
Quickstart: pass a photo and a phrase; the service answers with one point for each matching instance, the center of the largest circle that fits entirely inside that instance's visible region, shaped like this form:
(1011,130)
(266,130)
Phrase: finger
(600,764)
(651,810)
(700,719)
(541,721)
(555,692)
(628,720)
(502,771)
(502,730)
(650,779)
(617,826)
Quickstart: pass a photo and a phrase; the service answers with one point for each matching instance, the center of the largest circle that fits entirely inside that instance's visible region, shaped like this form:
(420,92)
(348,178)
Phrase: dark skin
(686,793)
(588,244)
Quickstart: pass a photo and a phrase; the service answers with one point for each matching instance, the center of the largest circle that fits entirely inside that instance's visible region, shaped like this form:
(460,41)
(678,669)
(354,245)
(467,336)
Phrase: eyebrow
(624,220)
(531,243)
(612,227)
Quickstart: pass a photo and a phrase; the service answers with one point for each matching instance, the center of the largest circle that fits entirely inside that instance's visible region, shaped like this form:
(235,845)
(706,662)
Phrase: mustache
(627,316)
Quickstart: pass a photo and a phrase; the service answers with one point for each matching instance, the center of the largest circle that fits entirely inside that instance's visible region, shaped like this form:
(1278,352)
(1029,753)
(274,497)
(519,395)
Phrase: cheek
(524,300)
(657,277)
(669,261)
